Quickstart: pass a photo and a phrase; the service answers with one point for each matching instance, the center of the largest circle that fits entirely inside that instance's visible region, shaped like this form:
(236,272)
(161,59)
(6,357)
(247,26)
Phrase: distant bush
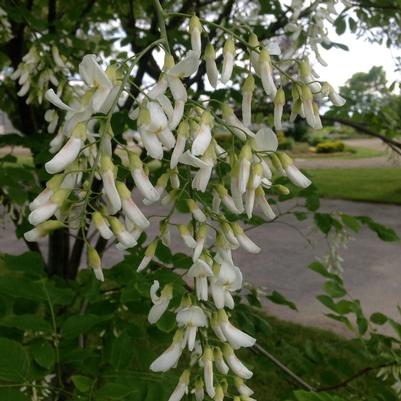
(330,147)
(314,138)
(286,144)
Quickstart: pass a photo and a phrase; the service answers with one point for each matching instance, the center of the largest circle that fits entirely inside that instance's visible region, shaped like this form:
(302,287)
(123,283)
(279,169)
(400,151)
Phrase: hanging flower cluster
(314,28)
(5,27)
(41,68)
(194,139)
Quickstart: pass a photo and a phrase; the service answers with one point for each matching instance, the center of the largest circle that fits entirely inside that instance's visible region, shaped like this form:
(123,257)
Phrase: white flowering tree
(163,135)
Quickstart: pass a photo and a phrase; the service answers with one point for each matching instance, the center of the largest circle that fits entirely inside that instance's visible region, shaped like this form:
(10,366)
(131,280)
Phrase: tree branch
(394,144)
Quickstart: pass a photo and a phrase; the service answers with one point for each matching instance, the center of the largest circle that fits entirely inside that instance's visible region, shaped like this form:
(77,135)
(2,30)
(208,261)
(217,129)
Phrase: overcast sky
(361,56)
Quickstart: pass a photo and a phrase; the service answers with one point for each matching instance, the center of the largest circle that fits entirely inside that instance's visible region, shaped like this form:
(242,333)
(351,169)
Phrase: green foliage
(380,185)
(330,147)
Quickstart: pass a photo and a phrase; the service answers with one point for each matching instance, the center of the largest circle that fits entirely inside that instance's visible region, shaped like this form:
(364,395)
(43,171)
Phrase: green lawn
(301,150)
(381,185)
(319,357)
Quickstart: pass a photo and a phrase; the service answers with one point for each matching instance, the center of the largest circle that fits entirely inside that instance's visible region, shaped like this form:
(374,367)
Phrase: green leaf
(30,263)
(280,299)
(27,323)
(79,324)
(378,318)
(20,287)
(324,222)
(115,391)
(334,289)
(155,392)
(321,269)
(121,351)
(10,394)
(82,383)
(301,216)
(362,325)
(396,326)
(312,202)
(14,361)
(167,322)
(384,233)
(351,222)
(340,26)
(43,354)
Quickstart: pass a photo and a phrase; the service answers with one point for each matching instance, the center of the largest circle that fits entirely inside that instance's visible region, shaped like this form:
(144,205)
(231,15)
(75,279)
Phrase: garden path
(371,267)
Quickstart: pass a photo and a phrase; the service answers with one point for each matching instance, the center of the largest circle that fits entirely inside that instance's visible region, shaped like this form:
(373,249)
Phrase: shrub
(330,147)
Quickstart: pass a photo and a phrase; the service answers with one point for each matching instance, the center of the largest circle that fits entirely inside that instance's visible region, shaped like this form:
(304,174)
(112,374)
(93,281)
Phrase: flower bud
(94,262)
(211,69)
(228,60)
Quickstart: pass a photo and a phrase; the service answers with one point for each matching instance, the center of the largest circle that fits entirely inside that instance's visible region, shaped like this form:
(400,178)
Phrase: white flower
(51,117)
(141,179)
(207,360)
(247,91)
(307,76)
(227,278)
(182,387)
(243,240)
(242,388)
(158,89)
(189,159)
(234,336)
(265,140)
(245,158)
(279,101)
(235,364)
(186,236)
(200,271)
(46,210)
(149,254)
(264,204)
(185,67)
(266,73)
(196,211)
(229,234)
(227,200)
(152,144)
(160,303)
(195,29)
(66,155)
(51,186)
(334,97)
(254,55)
(211,67)
(56,101)
(307,103)
(42,230)
(295,176)
(126,239)
(129,207)
(102,226)
(201,236)
(236,126)
(228,60)
(198,390)
(191,318)
(203,135)
(94,76)
(169,358)
(94,263)
(109,184)
(219,361)
(182,134)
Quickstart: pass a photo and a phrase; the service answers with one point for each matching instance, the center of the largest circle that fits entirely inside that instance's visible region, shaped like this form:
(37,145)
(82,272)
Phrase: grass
(319,357)
(301,150)
(382,185)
